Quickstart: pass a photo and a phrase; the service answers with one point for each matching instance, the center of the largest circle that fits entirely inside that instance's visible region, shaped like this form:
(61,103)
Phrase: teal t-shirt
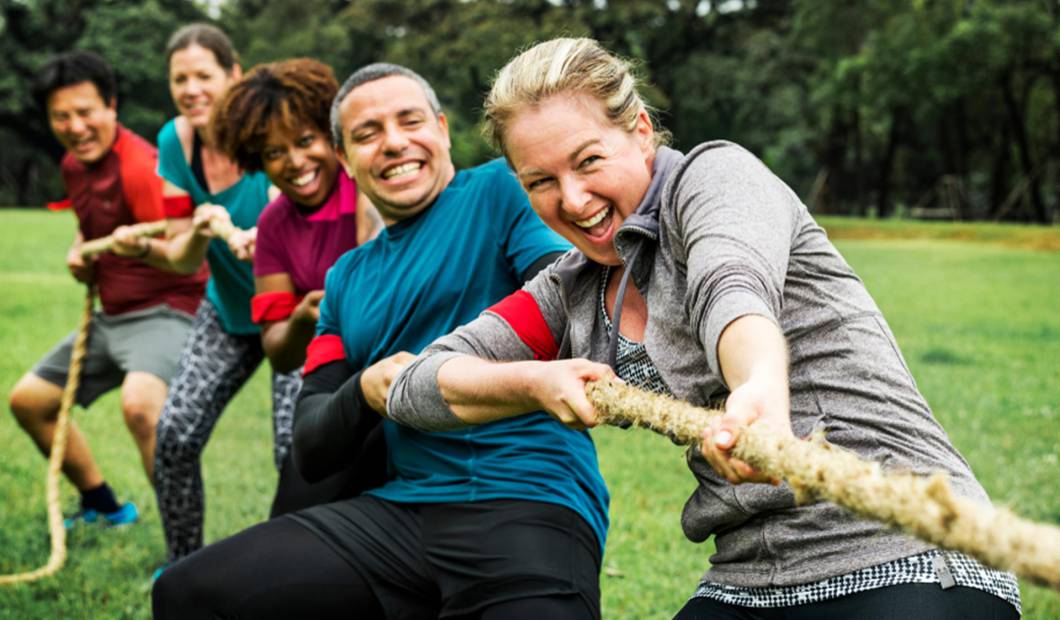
(419,280)
(231,282)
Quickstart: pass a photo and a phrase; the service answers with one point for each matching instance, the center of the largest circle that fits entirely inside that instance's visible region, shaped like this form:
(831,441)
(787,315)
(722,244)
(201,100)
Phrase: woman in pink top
(277,120)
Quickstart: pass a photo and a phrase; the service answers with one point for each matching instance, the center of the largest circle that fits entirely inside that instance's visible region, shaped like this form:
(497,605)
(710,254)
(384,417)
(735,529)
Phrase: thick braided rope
(925,507)
(101,245)
(224,230)
(56,529)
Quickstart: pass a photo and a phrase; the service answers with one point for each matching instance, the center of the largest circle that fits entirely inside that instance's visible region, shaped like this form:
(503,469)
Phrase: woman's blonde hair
(565,65)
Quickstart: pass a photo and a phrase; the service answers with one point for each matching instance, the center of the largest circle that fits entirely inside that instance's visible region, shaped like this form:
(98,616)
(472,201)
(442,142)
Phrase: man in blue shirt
(501,520)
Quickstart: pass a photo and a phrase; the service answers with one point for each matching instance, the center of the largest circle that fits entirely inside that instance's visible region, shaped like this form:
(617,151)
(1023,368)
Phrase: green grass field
(977,322)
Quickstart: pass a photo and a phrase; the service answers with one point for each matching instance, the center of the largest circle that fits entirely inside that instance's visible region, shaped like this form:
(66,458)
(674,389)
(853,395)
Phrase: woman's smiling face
(584,175)
(300,163)
(197,81)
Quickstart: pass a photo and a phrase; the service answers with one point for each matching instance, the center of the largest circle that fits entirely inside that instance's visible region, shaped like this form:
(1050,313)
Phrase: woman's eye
(272,154)
(306,140)
(589,160)
(536,184)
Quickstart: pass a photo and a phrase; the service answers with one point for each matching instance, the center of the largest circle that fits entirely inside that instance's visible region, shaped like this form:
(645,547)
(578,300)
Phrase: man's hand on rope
(241,242)
(83,269)
(205,215)
(128,242)
(559,389)
(754,401)
(376,379)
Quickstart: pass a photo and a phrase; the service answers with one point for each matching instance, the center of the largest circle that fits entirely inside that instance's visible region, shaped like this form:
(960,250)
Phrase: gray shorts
(148,340)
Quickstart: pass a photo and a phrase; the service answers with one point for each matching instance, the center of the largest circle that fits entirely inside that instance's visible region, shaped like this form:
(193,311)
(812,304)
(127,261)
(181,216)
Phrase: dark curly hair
(289,94)
(73,68)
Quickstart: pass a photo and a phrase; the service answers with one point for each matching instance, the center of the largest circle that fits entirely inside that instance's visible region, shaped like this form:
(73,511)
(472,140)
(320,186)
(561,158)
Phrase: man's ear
(342,161)
(443,122)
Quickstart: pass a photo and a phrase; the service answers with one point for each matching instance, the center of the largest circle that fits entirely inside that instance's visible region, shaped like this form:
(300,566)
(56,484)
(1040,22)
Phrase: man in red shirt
(135,341)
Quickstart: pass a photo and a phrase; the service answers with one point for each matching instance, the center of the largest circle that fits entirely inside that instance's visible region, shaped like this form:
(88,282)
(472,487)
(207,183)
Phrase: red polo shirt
(120,189)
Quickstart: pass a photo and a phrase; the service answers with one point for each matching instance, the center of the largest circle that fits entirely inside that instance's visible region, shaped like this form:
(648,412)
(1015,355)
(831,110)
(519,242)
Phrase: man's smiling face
(395,146)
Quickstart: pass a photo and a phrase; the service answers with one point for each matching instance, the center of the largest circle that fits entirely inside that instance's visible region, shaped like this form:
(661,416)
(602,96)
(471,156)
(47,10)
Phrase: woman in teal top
(224,346)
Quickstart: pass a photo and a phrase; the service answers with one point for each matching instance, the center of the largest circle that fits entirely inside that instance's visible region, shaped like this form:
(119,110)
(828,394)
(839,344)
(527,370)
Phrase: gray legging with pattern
(213,366)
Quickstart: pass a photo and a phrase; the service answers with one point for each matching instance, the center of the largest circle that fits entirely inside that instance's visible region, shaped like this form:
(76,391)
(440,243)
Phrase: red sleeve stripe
(521,312)
(177,206)
(60,205)
(323,350)
(274,306)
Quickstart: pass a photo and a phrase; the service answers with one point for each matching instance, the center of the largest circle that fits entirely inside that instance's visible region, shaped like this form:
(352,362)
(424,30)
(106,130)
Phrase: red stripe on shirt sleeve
(141,185)
(273,306)
(177,206)
(323,350)
(521,312)
(60,205)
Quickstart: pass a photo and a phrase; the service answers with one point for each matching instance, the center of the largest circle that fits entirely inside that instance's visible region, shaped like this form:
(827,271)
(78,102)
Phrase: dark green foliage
(130,35)
(947,109)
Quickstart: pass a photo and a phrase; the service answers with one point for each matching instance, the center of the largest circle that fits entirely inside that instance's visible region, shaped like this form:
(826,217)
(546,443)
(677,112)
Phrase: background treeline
(927,108)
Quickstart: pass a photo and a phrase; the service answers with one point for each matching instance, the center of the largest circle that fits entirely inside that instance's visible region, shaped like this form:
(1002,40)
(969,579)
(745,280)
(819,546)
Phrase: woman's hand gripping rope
(925,507)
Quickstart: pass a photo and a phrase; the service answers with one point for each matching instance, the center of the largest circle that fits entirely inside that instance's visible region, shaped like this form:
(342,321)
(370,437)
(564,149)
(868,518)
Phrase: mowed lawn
(977,321)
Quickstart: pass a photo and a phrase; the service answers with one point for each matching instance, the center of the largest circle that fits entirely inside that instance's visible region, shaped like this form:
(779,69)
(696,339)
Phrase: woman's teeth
(304,179)
(401,170)
(594,220)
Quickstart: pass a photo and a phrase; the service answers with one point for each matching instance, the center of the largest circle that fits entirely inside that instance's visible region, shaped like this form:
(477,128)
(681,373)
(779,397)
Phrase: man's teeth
(594,220)
(403,169)
(305,179)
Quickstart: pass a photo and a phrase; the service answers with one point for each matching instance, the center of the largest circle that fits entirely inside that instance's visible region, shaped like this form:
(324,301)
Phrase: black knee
(182,592)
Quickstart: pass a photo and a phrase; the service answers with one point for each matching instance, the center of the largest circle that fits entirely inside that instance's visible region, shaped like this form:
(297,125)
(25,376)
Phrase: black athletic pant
(282,570)
(901,602)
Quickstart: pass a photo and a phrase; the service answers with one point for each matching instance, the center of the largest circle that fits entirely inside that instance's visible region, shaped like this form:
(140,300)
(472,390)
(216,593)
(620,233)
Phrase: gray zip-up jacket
(717,237)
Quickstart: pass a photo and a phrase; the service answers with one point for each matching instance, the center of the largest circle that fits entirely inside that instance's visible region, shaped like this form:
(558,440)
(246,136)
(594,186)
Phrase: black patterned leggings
(213,366)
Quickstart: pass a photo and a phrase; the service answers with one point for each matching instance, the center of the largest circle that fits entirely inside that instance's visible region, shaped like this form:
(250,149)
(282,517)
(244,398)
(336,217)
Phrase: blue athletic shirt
(231,282)
(420,279)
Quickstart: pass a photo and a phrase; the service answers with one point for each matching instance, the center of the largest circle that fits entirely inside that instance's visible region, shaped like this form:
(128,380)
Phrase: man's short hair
(73,68)
(371,73)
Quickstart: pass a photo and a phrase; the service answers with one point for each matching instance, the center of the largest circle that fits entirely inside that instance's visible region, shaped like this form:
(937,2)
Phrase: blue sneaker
(127,514)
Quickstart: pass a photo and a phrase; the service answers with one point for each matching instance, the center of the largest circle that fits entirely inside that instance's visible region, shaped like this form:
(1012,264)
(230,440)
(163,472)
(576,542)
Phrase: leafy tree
(34,31)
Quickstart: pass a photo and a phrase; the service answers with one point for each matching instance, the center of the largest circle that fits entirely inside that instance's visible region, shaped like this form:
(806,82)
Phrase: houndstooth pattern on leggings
(213,366)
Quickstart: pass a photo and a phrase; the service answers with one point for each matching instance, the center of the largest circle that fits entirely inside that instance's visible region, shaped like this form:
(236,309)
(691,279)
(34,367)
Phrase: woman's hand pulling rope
(925,507)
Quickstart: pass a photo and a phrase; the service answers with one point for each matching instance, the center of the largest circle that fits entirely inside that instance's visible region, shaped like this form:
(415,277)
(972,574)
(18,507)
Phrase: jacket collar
(646,216)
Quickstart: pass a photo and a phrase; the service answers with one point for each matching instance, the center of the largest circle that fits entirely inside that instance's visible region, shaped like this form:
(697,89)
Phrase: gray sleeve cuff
(415,400)
(726,309)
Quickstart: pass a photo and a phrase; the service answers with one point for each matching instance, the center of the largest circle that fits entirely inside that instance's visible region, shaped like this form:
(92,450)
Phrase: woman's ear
(645,132)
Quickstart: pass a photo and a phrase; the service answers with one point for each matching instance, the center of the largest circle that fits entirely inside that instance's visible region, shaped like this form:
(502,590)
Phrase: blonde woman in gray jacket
(702,276)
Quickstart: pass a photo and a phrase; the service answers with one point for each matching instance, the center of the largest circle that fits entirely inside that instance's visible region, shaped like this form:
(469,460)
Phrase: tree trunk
(1019,132)
(999,174)
(884,208)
